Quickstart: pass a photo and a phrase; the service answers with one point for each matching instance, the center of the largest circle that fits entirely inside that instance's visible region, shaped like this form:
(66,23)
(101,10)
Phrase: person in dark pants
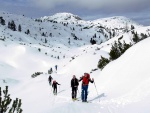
(54,85)
(50,79)
(56,67)
(74,85)
(85,82)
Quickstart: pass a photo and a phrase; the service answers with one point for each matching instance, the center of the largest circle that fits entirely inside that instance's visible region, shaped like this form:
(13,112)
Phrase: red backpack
(85,80)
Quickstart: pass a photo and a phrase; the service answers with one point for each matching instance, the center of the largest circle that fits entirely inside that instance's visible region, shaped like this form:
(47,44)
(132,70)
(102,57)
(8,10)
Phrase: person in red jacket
(54,85)
(85,82)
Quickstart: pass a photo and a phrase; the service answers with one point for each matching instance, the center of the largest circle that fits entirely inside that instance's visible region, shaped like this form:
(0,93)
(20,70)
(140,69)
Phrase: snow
(123,85)
(62,16)
(117,22)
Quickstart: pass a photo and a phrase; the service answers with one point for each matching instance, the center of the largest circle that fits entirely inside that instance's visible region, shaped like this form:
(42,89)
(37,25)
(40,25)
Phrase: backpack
(88,75)
(85,80)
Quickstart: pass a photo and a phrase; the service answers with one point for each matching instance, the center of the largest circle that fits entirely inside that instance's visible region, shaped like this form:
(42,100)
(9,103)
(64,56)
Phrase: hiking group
(74,85)
(54,85)
(50,71)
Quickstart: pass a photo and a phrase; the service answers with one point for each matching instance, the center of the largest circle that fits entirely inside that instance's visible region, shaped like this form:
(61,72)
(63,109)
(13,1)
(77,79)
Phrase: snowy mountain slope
(127,37)
(69,28)
(61,17)
(117,22)
(129,83)
(122,86)
(78,32)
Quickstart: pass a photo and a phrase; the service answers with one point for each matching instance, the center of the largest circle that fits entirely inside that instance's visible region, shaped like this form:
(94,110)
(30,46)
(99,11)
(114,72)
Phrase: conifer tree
(5,102)
(9,26)
(135,37)
(19,28)
(12,25)
(27,32)
(114,52)
(2,21)
(103,62)
(132,27)
(45,40)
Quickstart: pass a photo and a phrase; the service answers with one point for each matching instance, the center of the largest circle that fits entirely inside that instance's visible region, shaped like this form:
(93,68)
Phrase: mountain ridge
(74,30)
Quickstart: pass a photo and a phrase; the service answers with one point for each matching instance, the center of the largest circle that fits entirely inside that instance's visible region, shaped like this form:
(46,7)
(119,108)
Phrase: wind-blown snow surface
(123,85)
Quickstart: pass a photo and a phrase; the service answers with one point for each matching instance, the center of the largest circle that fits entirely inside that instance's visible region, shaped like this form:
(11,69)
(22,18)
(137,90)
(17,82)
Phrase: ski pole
(95,88)
(96,91)
(59,87)
(78,92)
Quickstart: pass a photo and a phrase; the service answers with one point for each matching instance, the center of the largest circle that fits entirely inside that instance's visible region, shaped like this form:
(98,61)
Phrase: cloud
(48,4)
(93,4)
(137,10)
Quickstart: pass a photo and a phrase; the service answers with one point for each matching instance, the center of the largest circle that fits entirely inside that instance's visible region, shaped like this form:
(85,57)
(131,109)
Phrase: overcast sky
(138,10)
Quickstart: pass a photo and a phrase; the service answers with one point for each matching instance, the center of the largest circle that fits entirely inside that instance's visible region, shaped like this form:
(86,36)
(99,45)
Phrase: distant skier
(85,82)
(74,85)
(54,85)
(50,79)
(51,70)
(56,67)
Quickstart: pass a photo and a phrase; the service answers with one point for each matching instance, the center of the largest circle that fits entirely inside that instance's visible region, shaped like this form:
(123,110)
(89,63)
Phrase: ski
(82,101)
(75,100)
(87,102)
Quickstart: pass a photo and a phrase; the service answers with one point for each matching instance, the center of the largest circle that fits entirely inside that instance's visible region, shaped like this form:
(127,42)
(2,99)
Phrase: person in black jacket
(74,85)
(50,79)
(54,85)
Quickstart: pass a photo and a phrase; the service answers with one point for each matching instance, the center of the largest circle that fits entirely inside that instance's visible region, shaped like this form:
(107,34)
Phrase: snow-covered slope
(70,29)
(64,26)
(117,22)
(123,85)
(60,17)
(126,80)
